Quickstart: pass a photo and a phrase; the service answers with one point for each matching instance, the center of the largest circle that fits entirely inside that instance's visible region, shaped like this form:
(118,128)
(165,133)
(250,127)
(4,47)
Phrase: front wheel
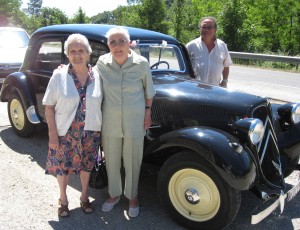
(195,195)
(17,117)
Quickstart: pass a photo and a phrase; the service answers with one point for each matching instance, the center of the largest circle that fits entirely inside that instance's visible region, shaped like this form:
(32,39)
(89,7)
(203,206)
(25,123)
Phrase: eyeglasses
(206,27)
(120,42)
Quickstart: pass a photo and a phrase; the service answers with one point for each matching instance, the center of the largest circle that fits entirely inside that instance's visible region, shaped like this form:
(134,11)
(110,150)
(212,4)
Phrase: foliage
(9,12)
(258,26)
(80,17)
(237,36)
(52,16)
(277,23)
(127,16)
(152,14)
(182,20)
(35,7)
(208,8)
(107,17)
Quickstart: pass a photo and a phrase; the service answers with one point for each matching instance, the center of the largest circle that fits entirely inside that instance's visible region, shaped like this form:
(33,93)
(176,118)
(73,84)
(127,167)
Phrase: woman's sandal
(86,206)
(63,210)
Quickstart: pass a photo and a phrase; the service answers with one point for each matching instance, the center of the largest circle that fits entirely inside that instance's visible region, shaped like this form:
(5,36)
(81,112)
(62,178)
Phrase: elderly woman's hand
(147,119)
(53,141)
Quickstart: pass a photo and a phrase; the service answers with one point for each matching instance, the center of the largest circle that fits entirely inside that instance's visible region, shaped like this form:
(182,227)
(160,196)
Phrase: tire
(195,195)
(17,117)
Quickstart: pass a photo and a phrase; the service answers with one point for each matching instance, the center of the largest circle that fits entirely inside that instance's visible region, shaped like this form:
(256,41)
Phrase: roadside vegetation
(252,26)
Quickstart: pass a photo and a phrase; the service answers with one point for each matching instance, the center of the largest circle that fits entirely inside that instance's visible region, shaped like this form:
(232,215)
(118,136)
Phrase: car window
(49,56)
(162,57)
(98,49)
(13,39)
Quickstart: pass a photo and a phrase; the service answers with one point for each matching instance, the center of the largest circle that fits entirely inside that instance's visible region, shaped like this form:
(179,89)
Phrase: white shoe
(106,207)
(134,212)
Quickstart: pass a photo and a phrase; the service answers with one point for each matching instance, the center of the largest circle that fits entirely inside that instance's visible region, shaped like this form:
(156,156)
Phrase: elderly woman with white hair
(73,112)
(128,91)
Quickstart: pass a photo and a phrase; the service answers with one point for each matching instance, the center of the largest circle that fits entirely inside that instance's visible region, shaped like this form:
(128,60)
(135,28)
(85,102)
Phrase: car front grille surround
(267,149)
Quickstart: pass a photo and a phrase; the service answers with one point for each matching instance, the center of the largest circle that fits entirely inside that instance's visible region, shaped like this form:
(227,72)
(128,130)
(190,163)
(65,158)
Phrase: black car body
(208,143)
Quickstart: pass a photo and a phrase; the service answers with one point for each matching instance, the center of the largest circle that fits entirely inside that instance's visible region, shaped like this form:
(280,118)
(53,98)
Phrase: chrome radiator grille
(165,111)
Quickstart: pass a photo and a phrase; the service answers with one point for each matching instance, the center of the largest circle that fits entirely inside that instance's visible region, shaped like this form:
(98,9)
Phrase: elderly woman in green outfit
(128,91)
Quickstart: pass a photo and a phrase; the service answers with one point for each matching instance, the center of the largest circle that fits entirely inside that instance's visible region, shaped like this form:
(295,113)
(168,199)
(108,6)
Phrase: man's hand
(223,84)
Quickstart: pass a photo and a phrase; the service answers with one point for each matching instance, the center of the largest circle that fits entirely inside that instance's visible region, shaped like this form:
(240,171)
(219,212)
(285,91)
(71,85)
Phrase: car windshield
(161,56)
(13,39)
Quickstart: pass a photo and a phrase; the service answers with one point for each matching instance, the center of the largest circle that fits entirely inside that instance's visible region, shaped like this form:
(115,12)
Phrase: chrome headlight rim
(256,131)
(250,130)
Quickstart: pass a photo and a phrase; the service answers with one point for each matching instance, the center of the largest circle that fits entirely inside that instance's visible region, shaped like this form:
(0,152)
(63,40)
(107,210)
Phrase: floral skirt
(78,150)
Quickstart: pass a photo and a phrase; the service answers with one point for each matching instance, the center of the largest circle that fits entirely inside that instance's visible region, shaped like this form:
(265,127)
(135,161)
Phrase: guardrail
(266,57)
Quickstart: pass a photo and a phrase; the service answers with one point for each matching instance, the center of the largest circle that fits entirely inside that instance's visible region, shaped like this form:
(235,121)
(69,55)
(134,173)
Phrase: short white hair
(75,38)
(117,30)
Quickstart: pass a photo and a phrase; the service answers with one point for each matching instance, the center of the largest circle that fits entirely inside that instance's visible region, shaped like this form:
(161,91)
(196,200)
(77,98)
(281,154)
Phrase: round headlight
(256,131)
(295,116)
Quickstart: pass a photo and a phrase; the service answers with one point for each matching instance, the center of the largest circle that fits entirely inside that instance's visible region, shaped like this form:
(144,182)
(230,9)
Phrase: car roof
(99,31)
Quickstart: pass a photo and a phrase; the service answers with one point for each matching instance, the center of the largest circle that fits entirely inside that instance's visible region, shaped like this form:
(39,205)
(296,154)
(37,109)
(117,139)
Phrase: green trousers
(131,150)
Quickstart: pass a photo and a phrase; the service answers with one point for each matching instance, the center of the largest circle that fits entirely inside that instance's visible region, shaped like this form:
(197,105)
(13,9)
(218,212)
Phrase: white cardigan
(61,92)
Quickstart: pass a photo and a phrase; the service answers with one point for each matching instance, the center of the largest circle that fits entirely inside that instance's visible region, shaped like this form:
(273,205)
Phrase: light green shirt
(125,90)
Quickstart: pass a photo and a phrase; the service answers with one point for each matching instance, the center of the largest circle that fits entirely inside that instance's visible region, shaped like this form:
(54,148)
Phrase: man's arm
(225,74)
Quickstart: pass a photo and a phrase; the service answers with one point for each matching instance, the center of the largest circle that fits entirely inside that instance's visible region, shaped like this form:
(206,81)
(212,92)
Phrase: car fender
(18,83)
(219,148)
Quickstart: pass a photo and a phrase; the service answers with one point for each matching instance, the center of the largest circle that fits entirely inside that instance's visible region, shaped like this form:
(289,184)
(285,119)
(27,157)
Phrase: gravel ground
(28,197)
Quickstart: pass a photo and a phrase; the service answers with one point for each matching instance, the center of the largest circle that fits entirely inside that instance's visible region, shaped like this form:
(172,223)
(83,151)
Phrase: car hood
(12,55)
(189,91)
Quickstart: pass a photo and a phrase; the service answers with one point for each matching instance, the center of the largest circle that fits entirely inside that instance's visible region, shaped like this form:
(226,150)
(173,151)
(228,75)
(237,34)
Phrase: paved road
(263,82)
(28,197)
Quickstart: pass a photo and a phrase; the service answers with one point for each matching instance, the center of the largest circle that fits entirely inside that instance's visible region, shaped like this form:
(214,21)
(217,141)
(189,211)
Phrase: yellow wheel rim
(194,195)
(17,114)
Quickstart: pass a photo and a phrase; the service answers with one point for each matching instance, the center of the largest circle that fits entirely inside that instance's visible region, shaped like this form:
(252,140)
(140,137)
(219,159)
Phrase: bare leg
(63,199)
(63,183)
(85,204)
(84,177)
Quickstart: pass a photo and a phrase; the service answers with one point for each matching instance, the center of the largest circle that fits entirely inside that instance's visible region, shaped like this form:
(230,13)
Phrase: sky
(90,7)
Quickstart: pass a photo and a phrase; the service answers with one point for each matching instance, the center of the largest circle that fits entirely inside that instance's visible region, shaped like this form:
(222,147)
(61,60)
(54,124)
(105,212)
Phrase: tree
(106,17)
(128,15)
(208,8)
(52,16)
(153,15)
(9,12)
(233,32)
(80,17)
(35,7)
(275,25)
(181,16)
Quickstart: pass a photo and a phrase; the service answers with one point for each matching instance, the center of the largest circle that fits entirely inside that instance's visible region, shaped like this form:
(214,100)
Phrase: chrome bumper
(256,218)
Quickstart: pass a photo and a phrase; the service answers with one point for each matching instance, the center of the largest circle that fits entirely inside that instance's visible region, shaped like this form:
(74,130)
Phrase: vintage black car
(207,143)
